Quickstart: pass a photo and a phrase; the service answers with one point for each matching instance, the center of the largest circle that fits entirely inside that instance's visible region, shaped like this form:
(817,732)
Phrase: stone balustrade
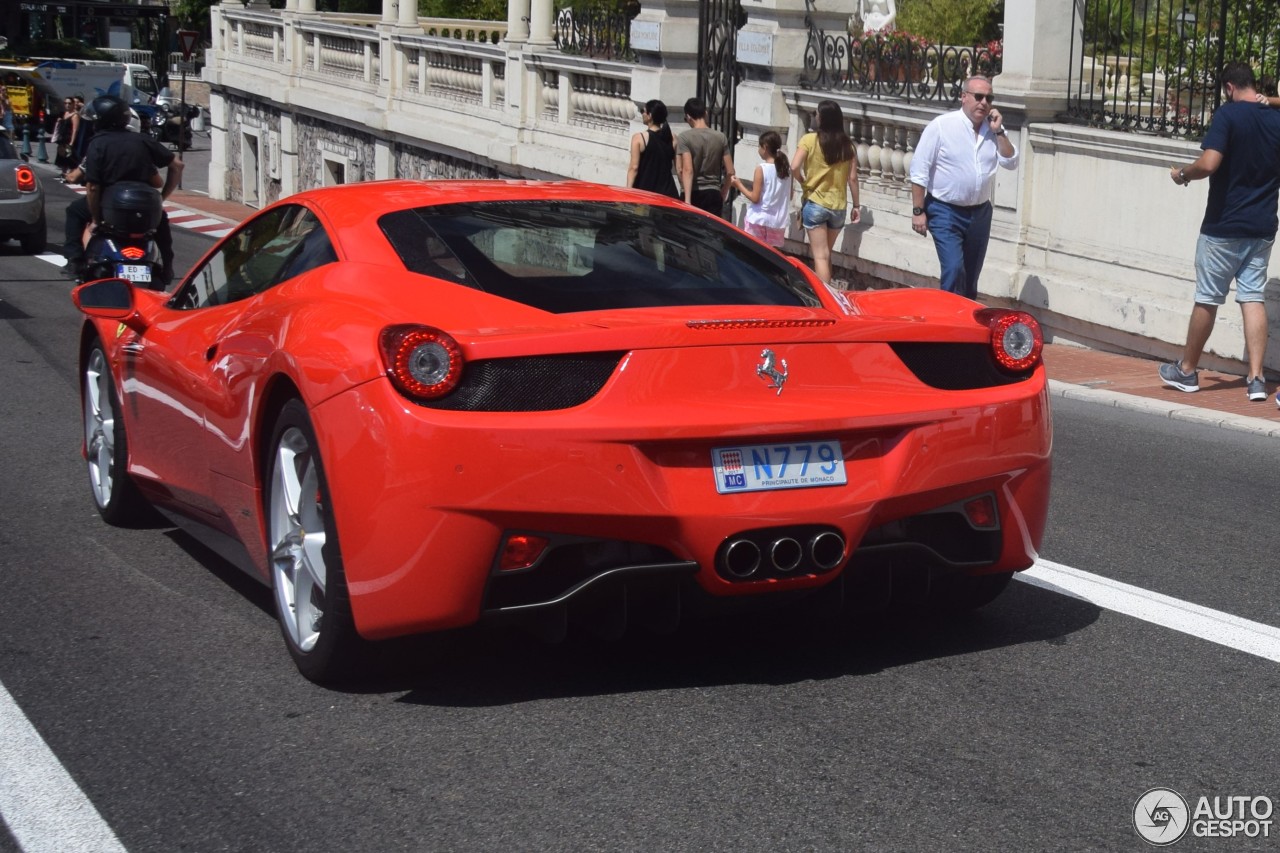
(1089,232)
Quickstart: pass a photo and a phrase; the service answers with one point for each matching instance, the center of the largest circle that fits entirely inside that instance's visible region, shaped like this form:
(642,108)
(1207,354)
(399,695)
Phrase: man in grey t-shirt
(703,161)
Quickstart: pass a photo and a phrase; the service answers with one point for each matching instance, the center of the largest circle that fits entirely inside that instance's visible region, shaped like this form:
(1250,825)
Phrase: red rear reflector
(522,551)
(26,179)
(981,512)
(133,253)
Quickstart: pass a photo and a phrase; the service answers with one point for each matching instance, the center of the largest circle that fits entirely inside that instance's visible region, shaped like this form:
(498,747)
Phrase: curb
(1192,414)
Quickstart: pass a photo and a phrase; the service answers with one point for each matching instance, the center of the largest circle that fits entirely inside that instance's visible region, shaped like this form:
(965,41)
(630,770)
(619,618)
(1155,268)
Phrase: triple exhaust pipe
(744,556)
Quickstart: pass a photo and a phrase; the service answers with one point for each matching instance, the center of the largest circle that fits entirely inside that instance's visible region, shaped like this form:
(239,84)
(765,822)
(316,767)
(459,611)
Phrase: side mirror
(108,299)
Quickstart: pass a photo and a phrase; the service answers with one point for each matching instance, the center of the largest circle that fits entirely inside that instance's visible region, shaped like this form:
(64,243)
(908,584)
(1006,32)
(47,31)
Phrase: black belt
(968,208)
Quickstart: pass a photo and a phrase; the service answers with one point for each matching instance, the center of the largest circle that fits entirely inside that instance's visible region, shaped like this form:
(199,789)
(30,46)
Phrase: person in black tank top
(653,153)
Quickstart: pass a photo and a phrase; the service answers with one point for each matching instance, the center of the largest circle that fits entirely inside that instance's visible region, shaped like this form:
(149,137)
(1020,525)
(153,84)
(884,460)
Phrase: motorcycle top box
(131,207)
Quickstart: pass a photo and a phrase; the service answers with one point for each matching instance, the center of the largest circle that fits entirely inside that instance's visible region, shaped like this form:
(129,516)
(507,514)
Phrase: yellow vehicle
(27,90)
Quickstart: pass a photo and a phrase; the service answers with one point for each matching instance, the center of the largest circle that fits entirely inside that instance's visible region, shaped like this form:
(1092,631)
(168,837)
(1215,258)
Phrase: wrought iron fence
(1152,65)
(597,31)
(892,64)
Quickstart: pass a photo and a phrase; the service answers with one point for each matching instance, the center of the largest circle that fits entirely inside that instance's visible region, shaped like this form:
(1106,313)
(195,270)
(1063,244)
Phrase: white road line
(195,223)
(51,258)
(1215,626)
(47,813)
(39,801)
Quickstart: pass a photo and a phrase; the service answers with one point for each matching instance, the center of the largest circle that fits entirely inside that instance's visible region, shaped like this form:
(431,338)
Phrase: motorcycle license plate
(134,272)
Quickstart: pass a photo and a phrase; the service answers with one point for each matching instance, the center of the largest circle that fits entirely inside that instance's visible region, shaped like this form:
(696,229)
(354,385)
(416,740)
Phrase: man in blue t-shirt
(1241,159)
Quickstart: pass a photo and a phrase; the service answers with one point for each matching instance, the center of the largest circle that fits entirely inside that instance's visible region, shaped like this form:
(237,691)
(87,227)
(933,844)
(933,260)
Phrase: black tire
(309,587)
(116,496)
(963,593)
(33,242)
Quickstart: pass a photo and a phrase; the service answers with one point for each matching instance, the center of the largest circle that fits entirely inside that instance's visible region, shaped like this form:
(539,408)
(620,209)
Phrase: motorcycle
(164,122)
(124,245)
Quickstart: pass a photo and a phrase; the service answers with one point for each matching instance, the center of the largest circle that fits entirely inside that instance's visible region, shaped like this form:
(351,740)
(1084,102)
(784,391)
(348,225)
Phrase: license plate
(133,272)
(789,465)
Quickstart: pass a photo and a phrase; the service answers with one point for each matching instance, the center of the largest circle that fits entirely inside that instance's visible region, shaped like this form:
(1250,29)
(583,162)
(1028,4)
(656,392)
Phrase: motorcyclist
(116,155)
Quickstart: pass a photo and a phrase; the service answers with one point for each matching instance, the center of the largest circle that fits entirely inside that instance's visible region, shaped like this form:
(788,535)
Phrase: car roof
(378,197)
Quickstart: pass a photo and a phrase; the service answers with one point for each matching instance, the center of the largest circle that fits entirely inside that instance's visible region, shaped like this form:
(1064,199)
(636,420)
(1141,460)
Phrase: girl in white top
(770,192)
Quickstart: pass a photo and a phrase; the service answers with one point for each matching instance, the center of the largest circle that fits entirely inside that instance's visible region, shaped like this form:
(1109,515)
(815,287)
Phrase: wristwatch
(1001,132)
(917,211)
(1182,176)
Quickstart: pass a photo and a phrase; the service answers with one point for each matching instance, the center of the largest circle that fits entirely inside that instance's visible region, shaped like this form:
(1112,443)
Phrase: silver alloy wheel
(295,527)
(99,427)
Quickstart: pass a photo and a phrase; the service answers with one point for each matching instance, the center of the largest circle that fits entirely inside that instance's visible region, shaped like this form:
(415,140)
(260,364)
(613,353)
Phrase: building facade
(1089,232)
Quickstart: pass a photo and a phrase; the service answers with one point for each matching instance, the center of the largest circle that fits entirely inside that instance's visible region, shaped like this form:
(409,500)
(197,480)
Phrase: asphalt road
(155,674)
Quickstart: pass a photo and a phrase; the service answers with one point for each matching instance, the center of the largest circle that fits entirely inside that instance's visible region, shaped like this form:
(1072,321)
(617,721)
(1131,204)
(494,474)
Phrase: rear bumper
(424,498)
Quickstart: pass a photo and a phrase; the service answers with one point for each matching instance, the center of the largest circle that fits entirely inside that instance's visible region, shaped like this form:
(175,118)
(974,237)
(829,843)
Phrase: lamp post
(1186,23)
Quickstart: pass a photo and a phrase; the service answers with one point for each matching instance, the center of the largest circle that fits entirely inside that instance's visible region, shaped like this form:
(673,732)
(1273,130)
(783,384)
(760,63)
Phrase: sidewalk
(1124,381)
(1131,382)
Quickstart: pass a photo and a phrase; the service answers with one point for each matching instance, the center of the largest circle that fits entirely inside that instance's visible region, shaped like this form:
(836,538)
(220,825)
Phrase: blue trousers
(960,235)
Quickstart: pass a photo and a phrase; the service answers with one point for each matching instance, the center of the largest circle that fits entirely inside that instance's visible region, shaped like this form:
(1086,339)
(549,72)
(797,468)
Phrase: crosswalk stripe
(198,224)
(184,217)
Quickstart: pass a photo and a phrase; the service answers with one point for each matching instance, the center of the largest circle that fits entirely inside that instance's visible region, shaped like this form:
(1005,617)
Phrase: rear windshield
(565,256)
(6,148)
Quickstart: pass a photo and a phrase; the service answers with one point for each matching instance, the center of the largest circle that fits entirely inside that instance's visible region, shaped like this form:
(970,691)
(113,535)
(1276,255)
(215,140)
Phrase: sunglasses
(982,96)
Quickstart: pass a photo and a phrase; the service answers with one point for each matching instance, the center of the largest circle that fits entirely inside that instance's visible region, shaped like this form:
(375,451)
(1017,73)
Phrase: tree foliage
(478,10)
(963,22)
(191,14)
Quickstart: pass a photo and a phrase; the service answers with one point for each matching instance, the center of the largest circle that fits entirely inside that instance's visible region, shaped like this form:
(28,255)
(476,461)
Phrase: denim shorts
(814,215)
(1221,259)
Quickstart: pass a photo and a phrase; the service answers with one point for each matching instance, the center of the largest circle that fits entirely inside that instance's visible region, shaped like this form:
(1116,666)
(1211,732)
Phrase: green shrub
(961,22)
(476,10)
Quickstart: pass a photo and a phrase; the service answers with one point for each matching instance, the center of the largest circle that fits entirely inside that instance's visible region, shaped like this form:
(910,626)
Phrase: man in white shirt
(953,173)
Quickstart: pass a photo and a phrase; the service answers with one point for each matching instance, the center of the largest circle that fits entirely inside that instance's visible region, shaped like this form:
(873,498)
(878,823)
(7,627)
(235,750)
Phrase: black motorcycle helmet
(109,113)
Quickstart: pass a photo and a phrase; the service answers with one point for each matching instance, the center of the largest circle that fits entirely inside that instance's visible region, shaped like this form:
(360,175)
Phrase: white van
(131,81)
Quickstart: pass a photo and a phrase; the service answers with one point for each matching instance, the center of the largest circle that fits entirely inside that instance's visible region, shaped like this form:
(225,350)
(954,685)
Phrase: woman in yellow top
(825,165)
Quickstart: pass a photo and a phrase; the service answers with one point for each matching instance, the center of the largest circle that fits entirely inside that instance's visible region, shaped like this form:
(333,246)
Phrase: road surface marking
(1215,626)
(39,801)
(47,813)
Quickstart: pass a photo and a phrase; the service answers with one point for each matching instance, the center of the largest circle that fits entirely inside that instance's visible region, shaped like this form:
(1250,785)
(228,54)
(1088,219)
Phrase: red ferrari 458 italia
(413,406)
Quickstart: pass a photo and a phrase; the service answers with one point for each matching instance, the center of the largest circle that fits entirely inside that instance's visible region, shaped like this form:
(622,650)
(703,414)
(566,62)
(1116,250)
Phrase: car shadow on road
(484,667)
(477,668)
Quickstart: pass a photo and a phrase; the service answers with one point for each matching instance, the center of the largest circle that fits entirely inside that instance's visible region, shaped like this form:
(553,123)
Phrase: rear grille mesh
(955,367)
(529,383)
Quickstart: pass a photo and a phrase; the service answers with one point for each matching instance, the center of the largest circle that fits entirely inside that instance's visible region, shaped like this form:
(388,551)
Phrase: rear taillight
(423,363)
(26,179)
(1016,339)
(134,253)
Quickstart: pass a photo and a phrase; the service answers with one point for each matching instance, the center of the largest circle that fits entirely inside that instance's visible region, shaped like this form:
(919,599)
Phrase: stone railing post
(515,72)
(665,36)
(771,45)
(541,23)
(1040,49)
